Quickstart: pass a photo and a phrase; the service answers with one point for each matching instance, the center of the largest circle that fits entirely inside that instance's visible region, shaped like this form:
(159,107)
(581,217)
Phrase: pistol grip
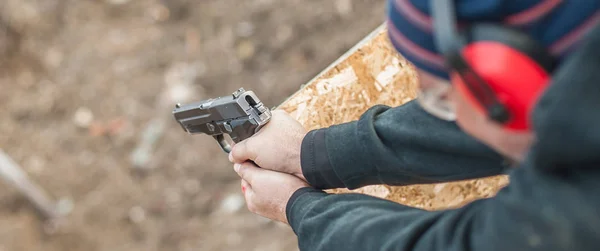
(223,143)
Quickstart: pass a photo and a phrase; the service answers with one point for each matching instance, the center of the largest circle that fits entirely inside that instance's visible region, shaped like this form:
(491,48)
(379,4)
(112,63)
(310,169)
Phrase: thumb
(242,152)
(248,171)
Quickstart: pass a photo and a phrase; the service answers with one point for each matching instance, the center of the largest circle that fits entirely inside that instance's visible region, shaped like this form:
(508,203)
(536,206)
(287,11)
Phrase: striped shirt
(556,24)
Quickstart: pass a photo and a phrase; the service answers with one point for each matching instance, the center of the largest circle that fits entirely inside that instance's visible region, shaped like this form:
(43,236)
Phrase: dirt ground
(83,83)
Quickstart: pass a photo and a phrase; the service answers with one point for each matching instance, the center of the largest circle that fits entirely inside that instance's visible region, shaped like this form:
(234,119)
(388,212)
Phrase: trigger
(223,143)
(227,127)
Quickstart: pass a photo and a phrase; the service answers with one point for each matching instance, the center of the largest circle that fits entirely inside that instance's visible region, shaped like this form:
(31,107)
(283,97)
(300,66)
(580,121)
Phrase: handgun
(239,115)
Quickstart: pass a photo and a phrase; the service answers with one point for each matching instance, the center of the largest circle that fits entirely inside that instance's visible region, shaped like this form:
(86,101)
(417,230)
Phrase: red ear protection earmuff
(499,70)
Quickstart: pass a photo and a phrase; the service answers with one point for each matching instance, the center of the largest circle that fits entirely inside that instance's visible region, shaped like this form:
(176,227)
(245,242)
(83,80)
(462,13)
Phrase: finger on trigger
(241,152)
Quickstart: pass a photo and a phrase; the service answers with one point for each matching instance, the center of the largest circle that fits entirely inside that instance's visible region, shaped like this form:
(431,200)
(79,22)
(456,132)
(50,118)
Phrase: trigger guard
(223,143)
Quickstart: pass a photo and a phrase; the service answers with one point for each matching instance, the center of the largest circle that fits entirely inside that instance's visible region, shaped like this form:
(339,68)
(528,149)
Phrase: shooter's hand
(275,147)
(267,192)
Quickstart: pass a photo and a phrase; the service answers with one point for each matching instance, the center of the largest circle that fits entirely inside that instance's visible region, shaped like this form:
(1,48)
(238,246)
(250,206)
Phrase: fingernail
(236,167)
(230,157)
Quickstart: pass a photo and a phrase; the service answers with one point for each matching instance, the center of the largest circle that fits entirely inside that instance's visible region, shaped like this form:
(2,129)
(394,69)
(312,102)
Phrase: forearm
(395,146)
(536,212)
(351,222)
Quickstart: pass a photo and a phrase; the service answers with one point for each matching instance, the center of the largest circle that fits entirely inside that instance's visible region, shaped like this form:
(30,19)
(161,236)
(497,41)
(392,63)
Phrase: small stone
(245,49)
(117,2)
(232,203)
(284,33)
(343,7)
(137,214)
(35,164)
(65,206)
(83,117)
(245,29)
(53,58)
(159,13)
(180,92)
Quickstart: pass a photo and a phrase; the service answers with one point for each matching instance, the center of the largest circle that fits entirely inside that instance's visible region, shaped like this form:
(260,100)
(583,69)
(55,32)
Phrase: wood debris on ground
(14,176)
(374,73)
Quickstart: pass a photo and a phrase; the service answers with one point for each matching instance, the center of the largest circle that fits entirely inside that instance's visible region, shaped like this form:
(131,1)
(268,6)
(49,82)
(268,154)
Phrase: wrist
(294,198)
(297,157)
(315,164)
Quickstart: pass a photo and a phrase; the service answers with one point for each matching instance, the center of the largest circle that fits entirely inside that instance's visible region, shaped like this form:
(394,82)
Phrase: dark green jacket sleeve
(396,146)
(537,211)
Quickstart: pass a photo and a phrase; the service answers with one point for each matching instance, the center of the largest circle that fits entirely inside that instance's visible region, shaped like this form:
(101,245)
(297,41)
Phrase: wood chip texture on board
(369,74)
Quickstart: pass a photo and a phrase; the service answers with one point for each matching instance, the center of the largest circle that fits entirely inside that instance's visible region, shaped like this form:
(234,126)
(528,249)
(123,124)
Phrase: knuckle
(247,143)
(244,146)
(250,148)
(235,150)
(258,160)
(239,150)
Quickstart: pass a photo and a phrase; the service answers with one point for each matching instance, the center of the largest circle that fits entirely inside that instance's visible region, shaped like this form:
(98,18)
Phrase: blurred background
(86,93)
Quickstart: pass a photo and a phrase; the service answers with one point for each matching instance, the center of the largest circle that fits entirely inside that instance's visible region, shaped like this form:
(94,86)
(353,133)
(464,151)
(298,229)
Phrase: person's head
(487,69)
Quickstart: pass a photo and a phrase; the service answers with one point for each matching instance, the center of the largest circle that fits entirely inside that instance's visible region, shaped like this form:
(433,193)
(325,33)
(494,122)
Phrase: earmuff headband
(444,26)
(450,45)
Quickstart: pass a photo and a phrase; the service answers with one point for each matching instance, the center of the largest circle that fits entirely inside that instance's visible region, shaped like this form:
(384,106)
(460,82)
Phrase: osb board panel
(373,73)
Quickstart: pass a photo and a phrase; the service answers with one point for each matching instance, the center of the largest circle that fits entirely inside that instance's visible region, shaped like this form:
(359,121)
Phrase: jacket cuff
(299,204)
(347,150)
(314,160)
